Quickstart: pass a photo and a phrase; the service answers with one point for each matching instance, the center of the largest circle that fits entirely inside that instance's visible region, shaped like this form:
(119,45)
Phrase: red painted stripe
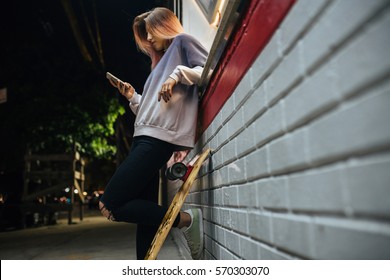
(258,24)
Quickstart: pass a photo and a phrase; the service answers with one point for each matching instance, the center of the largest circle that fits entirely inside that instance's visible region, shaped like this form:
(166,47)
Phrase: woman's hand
(166,90)
(124,88)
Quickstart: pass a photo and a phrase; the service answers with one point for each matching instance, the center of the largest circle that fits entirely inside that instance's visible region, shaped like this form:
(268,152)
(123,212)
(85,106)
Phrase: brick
(216,124)
(205,181)
(256,164)
(340,20)
(215,250)
(229,151)
(197,198)
(241,225)
(225,219)
(368,183)
(235,124)
(230,197)
(189,198)
(217,159)
(207,212)
(349,239)
(317,190)
(255,105)
(216,197)
(208,256)
(366,58)
(249,249)
(227,110)
(269,125)
(316,94)
(272,193)
(209,132)
(259,224)
(220,234)
(214,145)
(216,215)
(245,142)
(214,232)
(204,198)
(237,172)
(222,135)
(243,90)
(269,253)
(295,23)
(202,139)
(360,125)
(226,255)
(289,152)
(232,241)
(220,177)
(235,217)
(209,229)
(247,195)
(267,60)
(288,73)
(293,233)
(205,171)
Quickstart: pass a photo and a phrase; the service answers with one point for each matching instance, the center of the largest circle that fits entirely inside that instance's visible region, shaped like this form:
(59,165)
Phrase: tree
(53,59)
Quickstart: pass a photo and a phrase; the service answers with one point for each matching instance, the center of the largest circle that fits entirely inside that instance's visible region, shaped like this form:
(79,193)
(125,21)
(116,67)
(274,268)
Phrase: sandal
(103,210)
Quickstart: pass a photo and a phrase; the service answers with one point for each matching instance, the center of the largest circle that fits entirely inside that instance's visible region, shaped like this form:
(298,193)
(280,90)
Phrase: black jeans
(132,193)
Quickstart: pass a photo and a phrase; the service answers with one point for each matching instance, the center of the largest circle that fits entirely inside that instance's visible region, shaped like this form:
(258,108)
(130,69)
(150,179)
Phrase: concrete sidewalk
(94,238)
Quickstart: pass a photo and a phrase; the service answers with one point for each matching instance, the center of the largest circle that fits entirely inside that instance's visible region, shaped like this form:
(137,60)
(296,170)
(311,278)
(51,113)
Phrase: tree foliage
(53,59)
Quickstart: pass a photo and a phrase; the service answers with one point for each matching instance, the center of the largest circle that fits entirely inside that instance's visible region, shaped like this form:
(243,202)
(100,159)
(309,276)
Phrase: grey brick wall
(301,163)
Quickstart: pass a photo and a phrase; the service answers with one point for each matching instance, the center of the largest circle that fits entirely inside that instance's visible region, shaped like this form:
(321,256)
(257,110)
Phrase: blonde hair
(160,23)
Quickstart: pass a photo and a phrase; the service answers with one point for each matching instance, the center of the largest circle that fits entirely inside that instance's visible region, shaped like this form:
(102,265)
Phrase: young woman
(165,122)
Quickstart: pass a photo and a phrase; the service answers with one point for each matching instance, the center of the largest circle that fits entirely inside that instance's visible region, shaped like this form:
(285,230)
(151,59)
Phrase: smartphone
(113,78)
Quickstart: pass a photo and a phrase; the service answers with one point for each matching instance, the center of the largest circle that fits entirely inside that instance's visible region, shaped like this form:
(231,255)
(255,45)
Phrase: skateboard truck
(178,170)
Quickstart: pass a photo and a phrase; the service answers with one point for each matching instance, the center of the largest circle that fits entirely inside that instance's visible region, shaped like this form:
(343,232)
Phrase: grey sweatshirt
(175,121)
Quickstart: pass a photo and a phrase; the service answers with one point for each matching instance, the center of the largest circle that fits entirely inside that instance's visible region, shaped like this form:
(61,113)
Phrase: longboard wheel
(177,171)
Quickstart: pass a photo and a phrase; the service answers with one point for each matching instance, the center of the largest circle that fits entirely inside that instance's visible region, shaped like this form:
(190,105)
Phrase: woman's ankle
(105,212)
(185,220)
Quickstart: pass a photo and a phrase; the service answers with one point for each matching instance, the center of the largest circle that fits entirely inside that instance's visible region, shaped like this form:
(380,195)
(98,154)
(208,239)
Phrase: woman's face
(157,43)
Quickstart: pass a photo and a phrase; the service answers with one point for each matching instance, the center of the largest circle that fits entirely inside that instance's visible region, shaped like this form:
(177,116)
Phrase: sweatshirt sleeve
(185,75)
(194,58)
(134,102)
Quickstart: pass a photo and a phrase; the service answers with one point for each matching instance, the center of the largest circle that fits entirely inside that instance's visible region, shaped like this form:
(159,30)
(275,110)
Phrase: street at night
(94,238)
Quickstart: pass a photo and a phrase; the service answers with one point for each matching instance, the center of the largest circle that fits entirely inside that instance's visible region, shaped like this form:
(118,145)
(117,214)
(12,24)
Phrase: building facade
(297,116)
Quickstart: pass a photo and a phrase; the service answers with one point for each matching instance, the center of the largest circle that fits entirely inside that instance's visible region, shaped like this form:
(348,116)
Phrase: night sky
(39,31)
(51,88)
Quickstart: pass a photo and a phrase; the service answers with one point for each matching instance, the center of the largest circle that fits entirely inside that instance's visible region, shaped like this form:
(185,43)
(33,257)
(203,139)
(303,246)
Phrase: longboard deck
(174,208)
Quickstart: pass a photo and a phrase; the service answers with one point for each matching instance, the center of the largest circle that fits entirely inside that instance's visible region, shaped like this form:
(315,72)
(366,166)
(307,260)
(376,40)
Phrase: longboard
(174,208)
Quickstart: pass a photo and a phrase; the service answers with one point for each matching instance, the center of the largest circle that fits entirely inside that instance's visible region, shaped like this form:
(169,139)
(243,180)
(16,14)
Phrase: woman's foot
(105,212)
(194,233)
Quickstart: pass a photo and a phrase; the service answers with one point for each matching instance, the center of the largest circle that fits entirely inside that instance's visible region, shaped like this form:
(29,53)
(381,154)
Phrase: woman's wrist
(128,91)
(130,95)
